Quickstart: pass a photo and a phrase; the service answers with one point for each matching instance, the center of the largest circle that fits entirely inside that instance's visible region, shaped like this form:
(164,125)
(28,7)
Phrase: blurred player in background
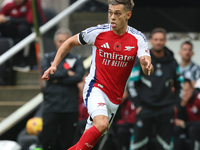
(60,112)
(153,96)
(115,47)
(187,129)
(188,68)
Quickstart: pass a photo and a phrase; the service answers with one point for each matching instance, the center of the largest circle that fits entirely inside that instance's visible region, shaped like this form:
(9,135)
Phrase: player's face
(158,41)
(118,18)
(18,2)
(186,52)
(187,91)
(61,38)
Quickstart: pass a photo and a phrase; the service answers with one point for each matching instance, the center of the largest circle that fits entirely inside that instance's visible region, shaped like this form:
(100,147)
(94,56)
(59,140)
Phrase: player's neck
(158,54)
(120,31)
(185,63)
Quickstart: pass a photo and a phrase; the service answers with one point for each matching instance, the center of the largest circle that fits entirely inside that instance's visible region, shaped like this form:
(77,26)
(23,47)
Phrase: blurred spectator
(188,68)
(153,96)
(7,75)
(60,113)
(16,20)
(83,114)
(188,119)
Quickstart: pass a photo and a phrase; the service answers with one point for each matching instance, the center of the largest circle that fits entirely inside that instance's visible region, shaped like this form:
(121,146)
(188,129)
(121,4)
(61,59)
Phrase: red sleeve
(41,13)
(6,9)
(39,10)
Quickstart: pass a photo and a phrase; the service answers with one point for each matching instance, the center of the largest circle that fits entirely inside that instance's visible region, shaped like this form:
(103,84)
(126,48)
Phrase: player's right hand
(49,71)
(138,110)
(2,19)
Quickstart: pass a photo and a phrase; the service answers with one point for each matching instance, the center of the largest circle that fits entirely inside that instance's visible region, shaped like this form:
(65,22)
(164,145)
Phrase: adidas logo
(106,45)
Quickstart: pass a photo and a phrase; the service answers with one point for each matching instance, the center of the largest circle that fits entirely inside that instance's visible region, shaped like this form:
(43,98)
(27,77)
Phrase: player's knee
(102,124)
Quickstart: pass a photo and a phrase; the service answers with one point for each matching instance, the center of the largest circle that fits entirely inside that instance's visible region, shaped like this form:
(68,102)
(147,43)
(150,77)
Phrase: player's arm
(147,67)
(61,53)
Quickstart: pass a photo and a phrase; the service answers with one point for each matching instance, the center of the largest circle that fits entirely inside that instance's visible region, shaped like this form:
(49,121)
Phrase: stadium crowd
(16,23)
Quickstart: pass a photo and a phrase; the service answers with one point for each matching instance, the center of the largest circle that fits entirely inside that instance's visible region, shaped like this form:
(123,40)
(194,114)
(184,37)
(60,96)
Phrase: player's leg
(179,137)
(67,129)
(193,134)
(92,135)
(79,130)
(48,136)
(142,130)
(123,135)
(8,30)
(164,127)
(98,122)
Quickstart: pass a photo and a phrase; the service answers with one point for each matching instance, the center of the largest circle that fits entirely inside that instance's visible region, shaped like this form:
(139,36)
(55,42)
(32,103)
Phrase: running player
(115,47)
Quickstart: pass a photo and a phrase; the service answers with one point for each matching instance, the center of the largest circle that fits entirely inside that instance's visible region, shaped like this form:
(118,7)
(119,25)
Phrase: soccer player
(115,47)
(188,68)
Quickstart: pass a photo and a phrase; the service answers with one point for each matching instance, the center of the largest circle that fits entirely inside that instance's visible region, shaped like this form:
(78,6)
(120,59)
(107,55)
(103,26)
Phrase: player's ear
(192,53)
(129,14)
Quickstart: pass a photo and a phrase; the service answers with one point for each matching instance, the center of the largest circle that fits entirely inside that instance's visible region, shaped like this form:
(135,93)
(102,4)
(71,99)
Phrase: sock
(73,147)
(89,139)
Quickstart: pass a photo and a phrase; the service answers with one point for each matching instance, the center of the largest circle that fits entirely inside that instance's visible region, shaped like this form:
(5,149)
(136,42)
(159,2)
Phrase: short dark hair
(158,30)
(128,4)
(186,80)
(188,43)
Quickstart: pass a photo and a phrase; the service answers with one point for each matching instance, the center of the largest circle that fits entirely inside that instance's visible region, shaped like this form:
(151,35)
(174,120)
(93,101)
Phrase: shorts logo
(101,104)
